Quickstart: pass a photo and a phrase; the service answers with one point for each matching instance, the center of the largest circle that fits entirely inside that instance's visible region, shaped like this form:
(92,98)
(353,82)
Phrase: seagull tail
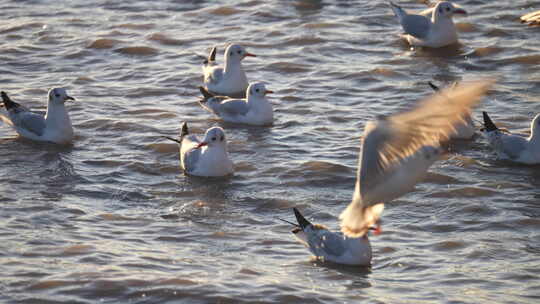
(433,86)
(206,95)
(356,220)
(301,219)
(183,130)
(8,103)
(212,57)
(488,124)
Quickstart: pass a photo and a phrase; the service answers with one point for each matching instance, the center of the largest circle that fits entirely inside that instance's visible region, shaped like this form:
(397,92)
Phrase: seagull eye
(232,53)
(440,10)
(447,9)
(213,139)
(239,52)
(57,95)
(256,90)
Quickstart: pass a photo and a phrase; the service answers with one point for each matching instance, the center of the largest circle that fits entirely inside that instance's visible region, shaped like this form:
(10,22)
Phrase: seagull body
(206,157)
(513,147)
(229,80)
(398,150)
(255,109)
(433,31)
(332,246)
(463,130)
(54,127)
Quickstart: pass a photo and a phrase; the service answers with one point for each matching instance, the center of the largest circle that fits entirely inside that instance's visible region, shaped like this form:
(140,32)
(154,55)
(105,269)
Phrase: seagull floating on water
(465,129)
(331,246)
(229,80)
(54,127)
(513,147)
(398,150)
(434,32)
(206,157)
(255,109)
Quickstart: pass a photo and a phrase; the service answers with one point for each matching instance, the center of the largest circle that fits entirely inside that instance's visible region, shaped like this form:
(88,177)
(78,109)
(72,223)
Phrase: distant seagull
(229,80)
(331,246)
(434,32)
(206,157)
(54,127)
(464,130)
(398,150)
(531,18)
(255,109)
(513,147)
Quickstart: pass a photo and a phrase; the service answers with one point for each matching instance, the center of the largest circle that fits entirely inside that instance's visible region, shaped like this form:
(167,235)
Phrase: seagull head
(257,89)
(214,137)
(448,9)
(59,95)
(237,52)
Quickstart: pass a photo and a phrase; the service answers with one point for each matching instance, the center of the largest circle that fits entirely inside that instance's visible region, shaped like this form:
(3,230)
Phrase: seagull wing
(28,121)
(190,156)
(416,25)
(324,243)
(235,107)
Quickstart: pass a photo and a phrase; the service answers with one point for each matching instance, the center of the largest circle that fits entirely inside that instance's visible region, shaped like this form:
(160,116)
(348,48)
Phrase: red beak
(268,92)
(460,11)
(201,144)
(250,55)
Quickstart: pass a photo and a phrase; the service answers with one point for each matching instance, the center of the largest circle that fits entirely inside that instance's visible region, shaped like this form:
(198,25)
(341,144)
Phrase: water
(112,219)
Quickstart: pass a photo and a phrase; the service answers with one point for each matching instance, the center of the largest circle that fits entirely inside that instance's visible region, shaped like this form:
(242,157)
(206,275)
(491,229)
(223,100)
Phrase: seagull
(208,157)
(331,246)
(434,32)
(229,80)
(513,147)
(398,150)
(253,110)
(464,130)
(54,127)
(531,18)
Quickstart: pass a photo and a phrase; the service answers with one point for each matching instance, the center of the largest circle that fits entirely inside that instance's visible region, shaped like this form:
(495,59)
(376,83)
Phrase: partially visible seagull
(434,32)
(514,147)
(206,157)
(531,18)
(54,127)
(229,80)
(255,109)
(398,150)
(331,246)
(464,130)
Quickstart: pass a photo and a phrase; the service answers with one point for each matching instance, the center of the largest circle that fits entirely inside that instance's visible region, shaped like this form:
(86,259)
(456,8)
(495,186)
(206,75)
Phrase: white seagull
(229,80)
(531,18)
(255,109)
(208,157)
(331,246)
(54,127)
(464,130)
(434,32)
(513,147)
(398,150)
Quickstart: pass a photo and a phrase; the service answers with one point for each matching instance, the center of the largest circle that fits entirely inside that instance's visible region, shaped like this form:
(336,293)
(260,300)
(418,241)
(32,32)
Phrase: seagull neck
(231,66)
(56,113)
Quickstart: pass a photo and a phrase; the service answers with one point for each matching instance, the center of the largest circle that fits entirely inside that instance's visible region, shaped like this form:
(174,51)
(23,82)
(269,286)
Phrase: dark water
(111,219)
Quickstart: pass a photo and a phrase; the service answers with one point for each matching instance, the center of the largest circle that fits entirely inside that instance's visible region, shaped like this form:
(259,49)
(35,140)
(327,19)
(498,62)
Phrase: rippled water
(112,218)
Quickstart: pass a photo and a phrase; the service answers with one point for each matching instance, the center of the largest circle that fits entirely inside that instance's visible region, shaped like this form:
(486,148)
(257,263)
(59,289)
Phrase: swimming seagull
(229,80)
(331,246)
(253,110)
(398,150)
(435,32)
(206,157)
(464,130)
(513,147)
(54,127)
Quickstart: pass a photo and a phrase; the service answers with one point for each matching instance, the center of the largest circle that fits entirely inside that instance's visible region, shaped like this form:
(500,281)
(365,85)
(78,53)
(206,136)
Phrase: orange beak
(268,92)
